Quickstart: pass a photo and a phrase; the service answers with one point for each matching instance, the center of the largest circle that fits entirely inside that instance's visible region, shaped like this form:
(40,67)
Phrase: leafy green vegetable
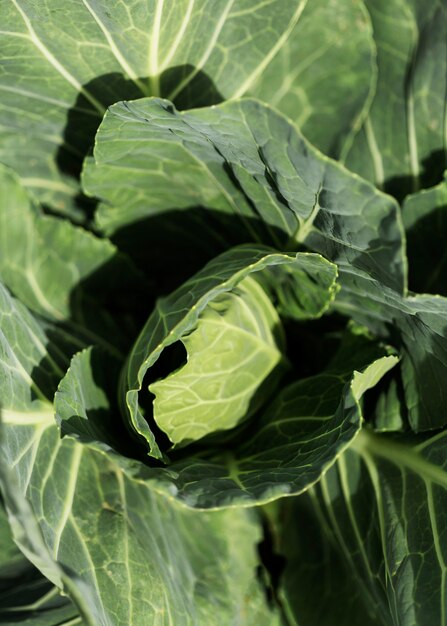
(223,353)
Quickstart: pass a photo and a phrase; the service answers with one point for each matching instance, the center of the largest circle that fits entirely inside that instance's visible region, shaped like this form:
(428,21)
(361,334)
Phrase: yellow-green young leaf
(231,353)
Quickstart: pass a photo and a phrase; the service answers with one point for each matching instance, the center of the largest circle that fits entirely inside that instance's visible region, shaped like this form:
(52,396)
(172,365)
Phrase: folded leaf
(283,452)
(231,354)
(178,314)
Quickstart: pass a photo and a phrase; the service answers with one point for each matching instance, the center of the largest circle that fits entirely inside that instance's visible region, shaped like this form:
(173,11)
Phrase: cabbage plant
(223,313)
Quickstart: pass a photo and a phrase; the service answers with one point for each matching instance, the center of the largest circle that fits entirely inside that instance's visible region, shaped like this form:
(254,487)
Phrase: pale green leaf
(61,271)
(65,62)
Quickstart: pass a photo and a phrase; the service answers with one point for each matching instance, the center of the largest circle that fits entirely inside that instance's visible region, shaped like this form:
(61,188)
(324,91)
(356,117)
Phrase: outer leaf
(402,145)
(177,314)
(247,164)
(324,75)
(61,271)
(425,221)
(295,440)
(383,505)
(68,61)
(233,361)
(316,585)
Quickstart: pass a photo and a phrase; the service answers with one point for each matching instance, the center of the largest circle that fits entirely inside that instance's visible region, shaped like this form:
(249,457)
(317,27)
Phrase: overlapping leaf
(65,62)
(417,326)
(284,452)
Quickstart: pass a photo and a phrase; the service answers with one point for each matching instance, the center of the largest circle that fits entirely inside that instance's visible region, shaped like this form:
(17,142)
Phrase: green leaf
(316,585)
(424,215)
(244,162)
(61,271)
(66,62)
(130,556)
(417,327)
(30,366)
(324,75)
(135,556)
(382,505)
(402,144)
(231,370)
(178,314)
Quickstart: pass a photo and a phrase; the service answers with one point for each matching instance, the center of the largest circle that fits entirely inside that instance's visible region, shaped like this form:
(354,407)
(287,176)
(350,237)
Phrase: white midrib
(69,497)
(379,173)
(55,63)
(153,67)
(266,60)
(44,417)
(411,122)
(115,50)
(207,53)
